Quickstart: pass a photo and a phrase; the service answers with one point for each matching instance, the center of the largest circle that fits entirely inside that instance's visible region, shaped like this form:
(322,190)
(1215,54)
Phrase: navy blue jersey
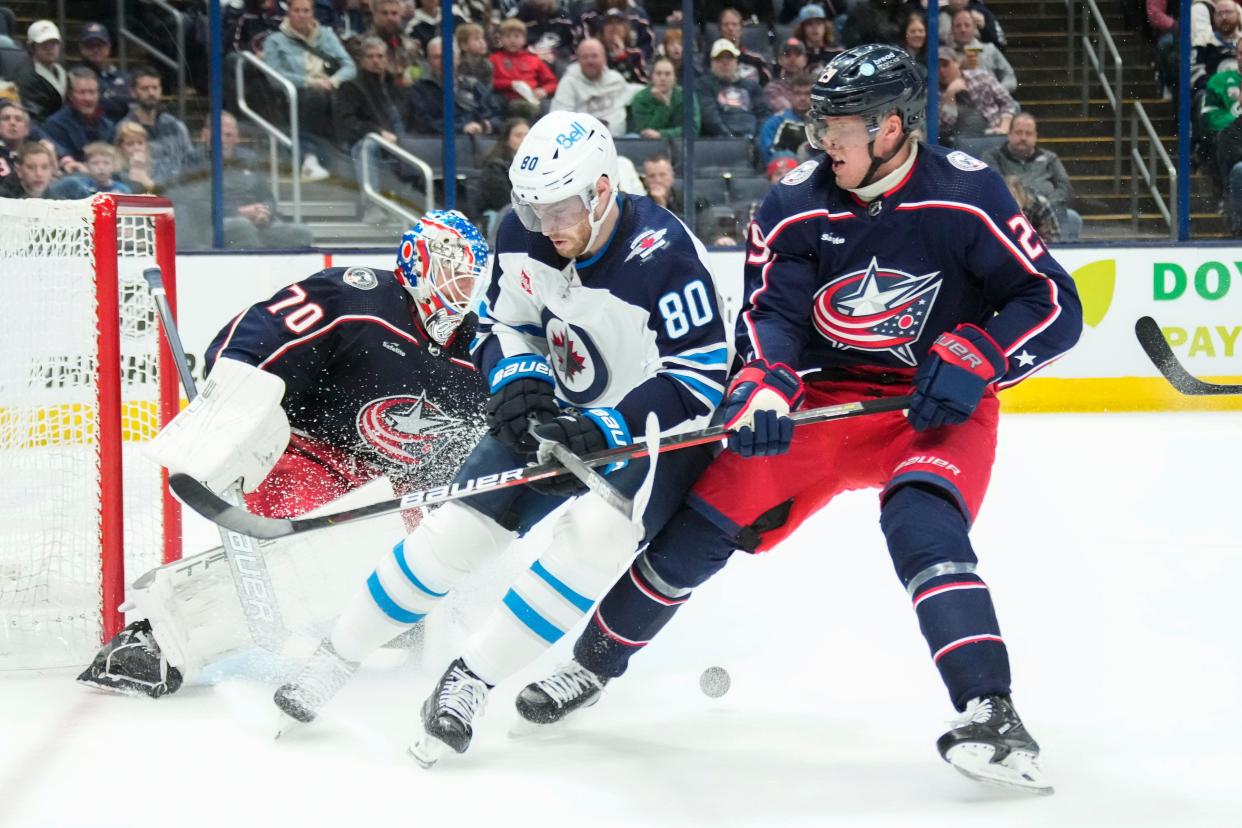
(361,374)
(636,327)
(836,283)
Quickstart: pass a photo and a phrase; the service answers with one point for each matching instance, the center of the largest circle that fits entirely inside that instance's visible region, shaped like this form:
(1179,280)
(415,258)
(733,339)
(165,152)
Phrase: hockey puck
(714,682)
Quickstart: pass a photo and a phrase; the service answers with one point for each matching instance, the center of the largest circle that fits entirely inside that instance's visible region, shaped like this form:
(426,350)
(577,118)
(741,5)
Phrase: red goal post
(86,378)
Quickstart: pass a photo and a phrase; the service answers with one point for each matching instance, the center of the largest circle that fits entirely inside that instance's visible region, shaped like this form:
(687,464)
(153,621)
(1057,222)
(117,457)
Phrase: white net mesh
(50,586)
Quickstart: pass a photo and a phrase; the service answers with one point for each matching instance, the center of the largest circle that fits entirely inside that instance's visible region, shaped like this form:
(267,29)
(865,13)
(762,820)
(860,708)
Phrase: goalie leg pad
(591,544)
(193,608)
(928,540)
(132,664)
(414,577)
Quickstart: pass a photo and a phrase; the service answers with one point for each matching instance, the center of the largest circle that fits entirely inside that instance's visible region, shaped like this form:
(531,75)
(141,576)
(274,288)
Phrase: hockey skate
(448,714)
(132,664)
(323,676)
(990,744)
(572,687)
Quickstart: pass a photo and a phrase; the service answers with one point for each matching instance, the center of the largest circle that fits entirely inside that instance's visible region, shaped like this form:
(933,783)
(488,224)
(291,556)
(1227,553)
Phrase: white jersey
(637,327)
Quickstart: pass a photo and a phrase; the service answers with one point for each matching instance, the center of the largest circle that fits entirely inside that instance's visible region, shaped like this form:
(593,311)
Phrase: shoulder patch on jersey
(965,162)
(362,278)
(800,173)
(646,243)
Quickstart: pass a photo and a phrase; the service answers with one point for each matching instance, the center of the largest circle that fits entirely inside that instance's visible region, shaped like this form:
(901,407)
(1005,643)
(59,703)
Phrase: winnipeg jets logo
(581,373)
(877,309)
(646,243)
(525,283)
(568,361)
(409,430)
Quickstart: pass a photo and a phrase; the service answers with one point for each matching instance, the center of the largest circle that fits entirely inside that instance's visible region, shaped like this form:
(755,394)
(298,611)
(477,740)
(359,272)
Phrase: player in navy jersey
(886,267)
(346,377)
(601,310)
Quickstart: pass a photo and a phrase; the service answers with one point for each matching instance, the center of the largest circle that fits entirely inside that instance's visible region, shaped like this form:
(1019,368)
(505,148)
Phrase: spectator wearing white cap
(731,106)
(750,64)
(44,81)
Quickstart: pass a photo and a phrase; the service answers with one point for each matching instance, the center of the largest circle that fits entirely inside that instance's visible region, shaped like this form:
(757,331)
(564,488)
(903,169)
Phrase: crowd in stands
(376,66)
(1215,84)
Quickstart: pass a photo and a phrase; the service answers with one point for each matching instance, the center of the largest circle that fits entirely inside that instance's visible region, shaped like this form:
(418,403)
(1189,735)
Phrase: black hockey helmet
(871,80)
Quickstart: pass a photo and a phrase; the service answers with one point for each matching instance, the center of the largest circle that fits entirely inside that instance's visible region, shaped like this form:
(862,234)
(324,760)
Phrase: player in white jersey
(601,310)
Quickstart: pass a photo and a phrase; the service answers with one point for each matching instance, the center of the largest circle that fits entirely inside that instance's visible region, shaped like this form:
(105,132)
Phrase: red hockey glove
(951,380)
(757,408)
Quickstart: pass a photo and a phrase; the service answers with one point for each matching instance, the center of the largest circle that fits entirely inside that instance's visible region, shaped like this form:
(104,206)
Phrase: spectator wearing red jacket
(519,75)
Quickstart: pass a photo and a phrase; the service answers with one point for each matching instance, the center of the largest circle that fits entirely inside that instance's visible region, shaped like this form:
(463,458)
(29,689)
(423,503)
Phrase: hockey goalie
(343,389)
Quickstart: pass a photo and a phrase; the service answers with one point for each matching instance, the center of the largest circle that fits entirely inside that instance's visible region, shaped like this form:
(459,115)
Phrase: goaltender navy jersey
(834,283)
(361,374)
(636,327)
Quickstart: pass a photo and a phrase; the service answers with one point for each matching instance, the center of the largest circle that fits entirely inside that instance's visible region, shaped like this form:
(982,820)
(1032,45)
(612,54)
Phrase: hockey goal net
(85,378)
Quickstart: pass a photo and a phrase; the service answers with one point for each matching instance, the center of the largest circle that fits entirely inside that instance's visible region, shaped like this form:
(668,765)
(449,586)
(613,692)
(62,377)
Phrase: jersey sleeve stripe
(701,389)
(374,320)
(1007,243)
(712,355)
(228,339)
(1034,369)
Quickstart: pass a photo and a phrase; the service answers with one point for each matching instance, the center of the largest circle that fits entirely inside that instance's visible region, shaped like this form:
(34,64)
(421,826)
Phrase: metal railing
(177,64)
(1093,58)
(368,185)
(1146,169)
(274,134)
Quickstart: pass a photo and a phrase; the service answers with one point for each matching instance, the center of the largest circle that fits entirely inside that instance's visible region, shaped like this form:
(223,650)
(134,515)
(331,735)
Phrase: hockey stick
(250,575)
(211,506)
(1158,351)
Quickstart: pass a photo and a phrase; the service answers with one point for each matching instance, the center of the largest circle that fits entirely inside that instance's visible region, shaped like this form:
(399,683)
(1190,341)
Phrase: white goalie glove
(234,429)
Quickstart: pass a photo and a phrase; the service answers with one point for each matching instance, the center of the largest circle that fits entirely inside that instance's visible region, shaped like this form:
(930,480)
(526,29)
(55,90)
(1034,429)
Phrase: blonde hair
(466,31)
(129,129)
(95,148)
(512,25)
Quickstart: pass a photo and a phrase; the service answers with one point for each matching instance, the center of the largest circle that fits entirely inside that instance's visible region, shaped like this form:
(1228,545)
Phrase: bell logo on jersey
(646,243)
(581,375)
(409,430)
(877,309)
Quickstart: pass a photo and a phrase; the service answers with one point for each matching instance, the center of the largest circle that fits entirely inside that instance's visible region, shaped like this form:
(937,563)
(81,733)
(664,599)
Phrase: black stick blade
(1152,340)
(219,511)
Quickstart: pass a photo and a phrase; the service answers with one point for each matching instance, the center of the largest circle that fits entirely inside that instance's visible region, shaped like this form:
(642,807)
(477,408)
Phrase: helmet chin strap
(877,162)
(596,224)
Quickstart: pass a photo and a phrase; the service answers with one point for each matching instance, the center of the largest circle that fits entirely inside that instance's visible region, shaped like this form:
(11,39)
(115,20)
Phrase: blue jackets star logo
(407,429)
(876,309)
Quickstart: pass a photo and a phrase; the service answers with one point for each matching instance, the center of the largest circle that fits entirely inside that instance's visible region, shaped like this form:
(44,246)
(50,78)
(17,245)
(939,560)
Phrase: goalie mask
(440,261)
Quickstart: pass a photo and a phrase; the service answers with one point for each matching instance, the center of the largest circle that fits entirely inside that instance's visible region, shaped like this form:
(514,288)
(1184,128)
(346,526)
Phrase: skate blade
(286,724)
(426,750)
(1018,771)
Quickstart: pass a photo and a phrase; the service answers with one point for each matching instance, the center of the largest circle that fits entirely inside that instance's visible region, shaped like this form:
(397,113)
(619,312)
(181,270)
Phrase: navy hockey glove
(951,380)
(582,432)
(522,388)
(757,408)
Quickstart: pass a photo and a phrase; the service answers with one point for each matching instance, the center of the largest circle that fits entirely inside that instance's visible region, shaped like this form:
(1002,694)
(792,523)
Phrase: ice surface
(1112,548)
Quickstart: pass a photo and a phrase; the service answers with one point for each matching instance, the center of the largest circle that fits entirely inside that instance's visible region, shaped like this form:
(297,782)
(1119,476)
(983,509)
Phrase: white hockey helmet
(441,260)
(554,171)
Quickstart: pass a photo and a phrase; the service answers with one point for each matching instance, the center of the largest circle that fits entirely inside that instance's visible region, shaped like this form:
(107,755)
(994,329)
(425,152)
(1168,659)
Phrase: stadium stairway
(1038,51)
